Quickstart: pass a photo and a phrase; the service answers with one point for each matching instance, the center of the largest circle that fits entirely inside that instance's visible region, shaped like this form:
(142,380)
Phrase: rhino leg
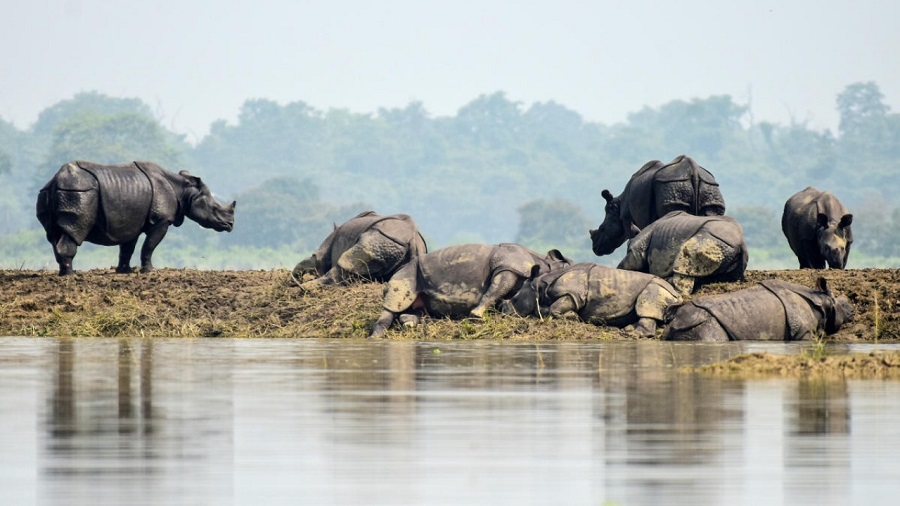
(813,259)
(126,250)
(651,306)
(64,249)
(154,236)
(373,257)
(381,325)
(694,324)
(700,256)
(502,283)
(684,284)
(563,307)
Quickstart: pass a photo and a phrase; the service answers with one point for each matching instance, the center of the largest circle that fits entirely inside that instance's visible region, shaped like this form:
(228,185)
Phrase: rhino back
(750,314)
(125,199)
(683,185)
(798,222)
(612,293)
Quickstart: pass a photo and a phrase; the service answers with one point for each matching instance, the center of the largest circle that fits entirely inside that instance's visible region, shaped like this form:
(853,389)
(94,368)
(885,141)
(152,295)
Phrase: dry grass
(191,303)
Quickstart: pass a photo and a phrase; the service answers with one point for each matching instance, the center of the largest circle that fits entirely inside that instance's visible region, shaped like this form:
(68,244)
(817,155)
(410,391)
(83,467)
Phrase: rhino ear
(822,220)
(632,231)
(846,221)
(233,203)
(607,196)
(822,285)
(191,180)
(535,271)
(557,255)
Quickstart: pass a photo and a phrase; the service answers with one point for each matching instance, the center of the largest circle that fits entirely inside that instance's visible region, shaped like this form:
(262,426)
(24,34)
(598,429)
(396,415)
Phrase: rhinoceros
(773,310)
(114,204)
(368,246)
(817,227)
(461,280)
(597,294)
(652,192)
(689,250)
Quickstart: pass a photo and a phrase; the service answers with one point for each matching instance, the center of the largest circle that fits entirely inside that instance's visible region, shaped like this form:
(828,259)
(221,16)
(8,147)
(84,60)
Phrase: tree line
(497,171)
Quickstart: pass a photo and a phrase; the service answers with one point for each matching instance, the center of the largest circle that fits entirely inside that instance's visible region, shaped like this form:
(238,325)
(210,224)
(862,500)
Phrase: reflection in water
(286,421)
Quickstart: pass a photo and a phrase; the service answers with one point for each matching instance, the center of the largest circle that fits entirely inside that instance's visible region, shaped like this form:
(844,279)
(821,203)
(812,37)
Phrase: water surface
(247,421)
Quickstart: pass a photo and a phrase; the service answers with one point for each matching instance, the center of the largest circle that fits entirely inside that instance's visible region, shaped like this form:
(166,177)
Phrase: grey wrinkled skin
(773,310)
(114,204)
(689,250)
(597,294)
(652,192)
(817,227)
(368,246)
(460,280)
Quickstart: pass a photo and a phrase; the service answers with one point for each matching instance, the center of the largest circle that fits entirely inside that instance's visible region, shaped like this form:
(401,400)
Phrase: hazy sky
(195,62)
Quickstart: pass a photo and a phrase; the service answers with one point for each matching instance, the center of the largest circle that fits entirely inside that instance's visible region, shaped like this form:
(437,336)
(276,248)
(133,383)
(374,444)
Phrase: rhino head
(837,309)
(611,233)
(834,238)
(203,208)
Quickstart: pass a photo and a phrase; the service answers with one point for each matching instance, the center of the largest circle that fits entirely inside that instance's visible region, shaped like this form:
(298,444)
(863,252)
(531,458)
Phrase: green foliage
(113,138)
(285,211)
(498,170)
(547,224)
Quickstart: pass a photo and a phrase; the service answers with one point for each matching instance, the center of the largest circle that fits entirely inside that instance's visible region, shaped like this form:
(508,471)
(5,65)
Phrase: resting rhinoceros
(817,227)
(773,310)
(460,280)
(367,246)
(597,294)
(653,191)
(114,204)
(689,250)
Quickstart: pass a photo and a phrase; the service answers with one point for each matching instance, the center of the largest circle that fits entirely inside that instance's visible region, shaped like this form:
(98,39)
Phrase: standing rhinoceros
(817,227)
(460,280)
(688,250)
(773,310)
(597,294)
(652,192)
(114,204)
(368,246)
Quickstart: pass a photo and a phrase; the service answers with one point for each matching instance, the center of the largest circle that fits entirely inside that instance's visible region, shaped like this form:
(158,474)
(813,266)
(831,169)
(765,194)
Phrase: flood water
(241,421)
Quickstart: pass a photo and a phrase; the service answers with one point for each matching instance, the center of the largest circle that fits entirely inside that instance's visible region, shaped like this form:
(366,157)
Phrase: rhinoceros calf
(652,192)
(689,250)
(460,280)
(368,246)
(599,295)
(773,310)
(114,204)
(817,227)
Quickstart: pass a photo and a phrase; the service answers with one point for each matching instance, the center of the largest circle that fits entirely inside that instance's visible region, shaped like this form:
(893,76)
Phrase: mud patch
(875,365)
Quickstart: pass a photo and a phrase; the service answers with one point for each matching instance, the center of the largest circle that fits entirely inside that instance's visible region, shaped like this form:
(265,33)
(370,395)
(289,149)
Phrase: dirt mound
(192,303)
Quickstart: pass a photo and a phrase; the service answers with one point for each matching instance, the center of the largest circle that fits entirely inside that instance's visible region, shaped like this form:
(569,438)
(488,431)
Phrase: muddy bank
(192,303)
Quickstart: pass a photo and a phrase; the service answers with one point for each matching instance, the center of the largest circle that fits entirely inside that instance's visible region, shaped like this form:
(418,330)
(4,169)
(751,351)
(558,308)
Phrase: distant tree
(285,211)
(110,138)
(700,128)
(5,162)
(545,224)
(90,102)
(862,107)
